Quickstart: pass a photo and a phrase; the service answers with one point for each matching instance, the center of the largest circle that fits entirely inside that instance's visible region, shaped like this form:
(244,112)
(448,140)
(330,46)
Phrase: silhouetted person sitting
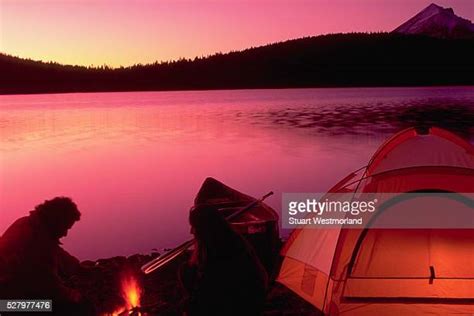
(32,263)
(223,276)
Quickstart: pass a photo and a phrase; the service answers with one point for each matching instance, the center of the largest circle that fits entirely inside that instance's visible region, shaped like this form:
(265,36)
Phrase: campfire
(131,292)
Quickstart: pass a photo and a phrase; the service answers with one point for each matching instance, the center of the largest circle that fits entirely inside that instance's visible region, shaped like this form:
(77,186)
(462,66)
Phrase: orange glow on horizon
(119,32)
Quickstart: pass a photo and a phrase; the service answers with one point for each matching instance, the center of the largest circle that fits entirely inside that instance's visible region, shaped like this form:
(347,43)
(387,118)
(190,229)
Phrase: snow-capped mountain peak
(437,21)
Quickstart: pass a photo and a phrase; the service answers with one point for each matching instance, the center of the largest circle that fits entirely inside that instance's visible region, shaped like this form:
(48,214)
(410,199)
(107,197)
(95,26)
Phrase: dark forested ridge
(381,59)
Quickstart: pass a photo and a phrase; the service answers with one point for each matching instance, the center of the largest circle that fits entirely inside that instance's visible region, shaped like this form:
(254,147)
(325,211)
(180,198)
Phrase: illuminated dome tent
(382,271)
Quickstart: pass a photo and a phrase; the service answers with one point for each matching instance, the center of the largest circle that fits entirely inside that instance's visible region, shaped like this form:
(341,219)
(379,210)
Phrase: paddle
(170,255)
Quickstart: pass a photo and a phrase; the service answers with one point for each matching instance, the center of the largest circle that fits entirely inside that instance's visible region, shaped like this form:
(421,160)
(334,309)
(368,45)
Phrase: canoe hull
(259,225)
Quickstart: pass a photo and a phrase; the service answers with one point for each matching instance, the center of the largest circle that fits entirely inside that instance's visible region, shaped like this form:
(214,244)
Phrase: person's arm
(68,265)
(47,264)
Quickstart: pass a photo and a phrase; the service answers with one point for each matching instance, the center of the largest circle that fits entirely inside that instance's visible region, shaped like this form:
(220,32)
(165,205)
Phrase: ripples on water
(376,117)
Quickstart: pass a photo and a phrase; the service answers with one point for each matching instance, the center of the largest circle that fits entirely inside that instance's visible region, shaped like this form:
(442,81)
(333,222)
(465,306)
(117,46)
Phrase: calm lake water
(133,162)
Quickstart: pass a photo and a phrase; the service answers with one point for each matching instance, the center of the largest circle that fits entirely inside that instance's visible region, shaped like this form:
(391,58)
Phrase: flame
(131,293)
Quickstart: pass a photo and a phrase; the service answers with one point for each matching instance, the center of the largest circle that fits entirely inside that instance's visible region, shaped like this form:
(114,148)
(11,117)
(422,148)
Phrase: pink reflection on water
(133,162)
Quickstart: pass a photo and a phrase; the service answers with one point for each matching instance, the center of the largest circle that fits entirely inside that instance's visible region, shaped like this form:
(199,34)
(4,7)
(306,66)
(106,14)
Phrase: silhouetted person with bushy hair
(224,276)
(33,265)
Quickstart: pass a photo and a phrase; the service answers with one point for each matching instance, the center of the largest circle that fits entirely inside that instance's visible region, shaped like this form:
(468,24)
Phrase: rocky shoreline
(101,282)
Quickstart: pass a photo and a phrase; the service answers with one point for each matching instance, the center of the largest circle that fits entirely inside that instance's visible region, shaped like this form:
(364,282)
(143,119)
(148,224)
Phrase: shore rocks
(101,282)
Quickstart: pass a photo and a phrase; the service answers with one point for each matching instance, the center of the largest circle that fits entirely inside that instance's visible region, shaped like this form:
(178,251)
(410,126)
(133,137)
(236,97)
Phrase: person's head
(58,214)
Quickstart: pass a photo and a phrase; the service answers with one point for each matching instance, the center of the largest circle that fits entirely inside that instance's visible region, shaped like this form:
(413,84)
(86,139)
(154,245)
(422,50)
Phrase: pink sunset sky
(125,32)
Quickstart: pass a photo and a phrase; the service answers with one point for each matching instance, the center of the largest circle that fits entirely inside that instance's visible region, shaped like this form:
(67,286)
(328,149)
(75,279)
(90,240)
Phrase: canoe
(259,225)
(253,219)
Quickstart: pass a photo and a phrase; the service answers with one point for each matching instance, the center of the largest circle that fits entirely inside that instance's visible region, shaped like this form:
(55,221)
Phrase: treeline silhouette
(337,60)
